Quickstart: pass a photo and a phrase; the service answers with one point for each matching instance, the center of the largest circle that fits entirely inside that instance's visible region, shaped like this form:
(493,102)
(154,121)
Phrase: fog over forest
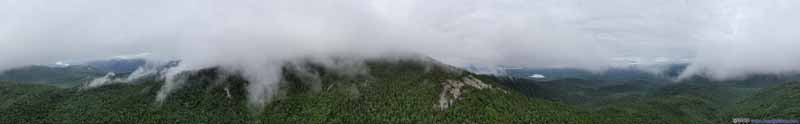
(722,39)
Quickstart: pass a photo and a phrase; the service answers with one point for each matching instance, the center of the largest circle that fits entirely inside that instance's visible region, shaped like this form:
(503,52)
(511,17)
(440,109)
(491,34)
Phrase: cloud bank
(749,37)
(724,39)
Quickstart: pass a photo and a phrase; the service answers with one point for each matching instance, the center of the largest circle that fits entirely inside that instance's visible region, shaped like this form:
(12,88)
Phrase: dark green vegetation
(648,99)
(405,91)
(64,77)
(780,101)
(397,91)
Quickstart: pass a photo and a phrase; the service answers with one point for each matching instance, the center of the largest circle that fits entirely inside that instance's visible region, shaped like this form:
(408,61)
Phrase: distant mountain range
(661,99)
(70,75)
(117,65)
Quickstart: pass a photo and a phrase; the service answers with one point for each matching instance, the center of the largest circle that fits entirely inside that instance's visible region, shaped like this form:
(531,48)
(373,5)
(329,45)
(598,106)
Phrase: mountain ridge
(396,91)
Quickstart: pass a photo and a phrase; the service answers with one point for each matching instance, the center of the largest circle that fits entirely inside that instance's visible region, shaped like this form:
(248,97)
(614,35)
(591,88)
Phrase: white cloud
(537,76)
(726,38)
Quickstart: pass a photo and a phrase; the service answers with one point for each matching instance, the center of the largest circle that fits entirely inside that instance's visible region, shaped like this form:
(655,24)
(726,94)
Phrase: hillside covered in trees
(397,91)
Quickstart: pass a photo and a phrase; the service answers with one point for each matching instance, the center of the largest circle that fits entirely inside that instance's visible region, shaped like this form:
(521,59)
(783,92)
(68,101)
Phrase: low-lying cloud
(723,39)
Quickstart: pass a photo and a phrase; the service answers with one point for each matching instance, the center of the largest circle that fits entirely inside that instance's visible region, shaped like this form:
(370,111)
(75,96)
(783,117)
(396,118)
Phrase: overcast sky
(723,38)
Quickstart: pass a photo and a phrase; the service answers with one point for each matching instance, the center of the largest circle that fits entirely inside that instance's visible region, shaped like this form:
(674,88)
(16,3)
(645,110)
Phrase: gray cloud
(749,37)
(724,38)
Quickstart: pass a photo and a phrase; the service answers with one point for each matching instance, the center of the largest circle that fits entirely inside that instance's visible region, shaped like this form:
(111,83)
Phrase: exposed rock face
(453,89)
(228,93)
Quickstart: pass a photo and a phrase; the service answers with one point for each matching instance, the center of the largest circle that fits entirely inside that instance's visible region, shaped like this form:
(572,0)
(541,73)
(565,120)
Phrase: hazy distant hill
(668,73)
(117,65)
(71,75)
(662,100)
(64,77)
